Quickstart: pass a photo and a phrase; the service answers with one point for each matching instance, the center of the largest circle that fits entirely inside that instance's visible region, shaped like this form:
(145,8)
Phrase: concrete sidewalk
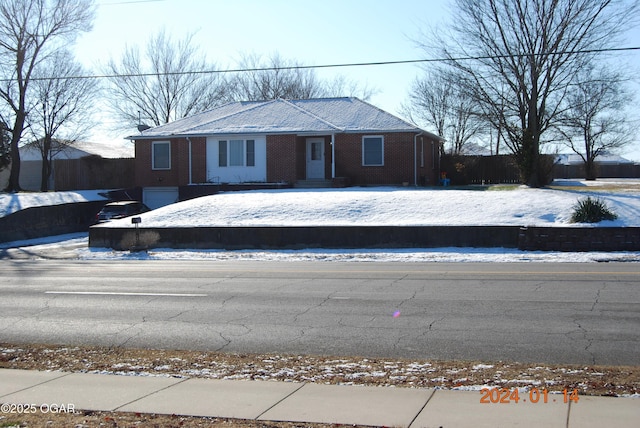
(305,402)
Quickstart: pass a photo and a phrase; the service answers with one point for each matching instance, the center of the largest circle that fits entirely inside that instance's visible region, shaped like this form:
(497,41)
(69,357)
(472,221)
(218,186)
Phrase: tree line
(529,72)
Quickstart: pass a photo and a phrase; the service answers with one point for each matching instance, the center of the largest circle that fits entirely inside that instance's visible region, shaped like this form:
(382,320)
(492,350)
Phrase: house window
(236,153)
(222,153)
(251,153)
(161,155)
(373,151)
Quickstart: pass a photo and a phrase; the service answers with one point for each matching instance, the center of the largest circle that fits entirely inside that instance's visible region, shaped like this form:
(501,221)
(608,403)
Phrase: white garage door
(156,197)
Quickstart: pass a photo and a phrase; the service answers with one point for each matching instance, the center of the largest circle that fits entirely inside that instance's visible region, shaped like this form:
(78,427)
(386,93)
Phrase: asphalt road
(549,313)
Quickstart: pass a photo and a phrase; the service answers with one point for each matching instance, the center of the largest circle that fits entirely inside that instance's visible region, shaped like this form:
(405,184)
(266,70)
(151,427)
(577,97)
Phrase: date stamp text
(534,395)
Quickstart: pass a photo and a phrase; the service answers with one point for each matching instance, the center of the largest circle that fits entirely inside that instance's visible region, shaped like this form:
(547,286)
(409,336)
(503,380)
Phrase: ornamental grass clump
(591,210)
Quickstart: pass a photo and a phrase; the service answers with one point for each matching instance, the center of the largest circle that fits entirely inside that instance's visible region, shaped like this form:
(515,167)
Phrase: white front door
(315,159)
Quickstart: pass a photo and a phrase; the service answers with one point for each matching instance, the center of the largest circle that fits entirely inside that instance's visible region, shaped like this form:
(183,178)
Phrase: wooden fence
(462,170)
(603,170)
(93,172)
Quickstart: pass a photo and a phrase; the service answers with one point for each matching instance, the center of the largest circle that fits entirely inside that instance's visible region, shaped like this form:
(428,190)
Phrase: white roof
(605,158)
(80,149)
(323,115)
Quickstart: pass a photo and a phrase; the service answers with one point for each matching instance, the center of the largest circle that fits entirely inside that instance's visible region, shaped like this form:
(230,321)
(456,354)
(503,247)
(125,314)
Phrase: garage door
(156,197)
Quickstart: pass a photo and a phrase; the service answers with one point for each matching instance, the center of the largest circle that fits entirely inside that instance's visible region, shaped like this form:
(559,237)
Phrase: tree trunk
(528,160)
(14,176)
(590,172)
(46,164)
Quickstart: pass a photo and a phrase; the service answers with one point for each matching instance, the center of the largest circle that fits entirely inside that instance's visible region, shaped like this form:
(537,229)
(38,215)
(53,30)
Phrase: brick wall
(579,238)
(198,159)
(178,175)
(286,161)
(398,160)
(283,154)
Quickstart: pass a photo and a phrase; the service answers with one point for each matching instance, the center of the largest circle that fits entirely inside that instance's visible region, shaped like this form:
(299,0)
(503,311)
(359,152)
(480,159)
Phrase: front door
(315,159)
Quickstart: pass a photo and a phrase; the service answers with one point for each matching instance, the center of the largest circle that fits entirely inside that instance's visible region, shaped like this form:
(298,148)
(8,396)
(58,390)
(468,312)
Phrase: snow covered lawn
(506,205)
(387,206)
(12,202)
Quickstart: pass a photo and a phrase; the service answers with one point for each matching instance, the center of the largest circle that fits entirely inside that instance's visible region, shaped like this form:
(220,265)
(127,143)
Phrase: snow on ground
(413,255)
(12,202)
(77,243)
(380,206)
(518,206)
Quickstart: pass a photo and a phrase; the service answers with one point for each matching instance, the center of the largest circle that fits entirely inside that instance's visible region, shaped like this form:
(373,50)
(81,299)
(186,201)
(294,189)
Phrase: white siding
(236,174)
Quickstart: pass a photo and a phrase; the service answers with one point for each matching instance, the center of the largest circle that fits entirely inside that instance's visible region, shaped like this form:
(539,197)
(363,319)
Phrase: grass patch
(504,187)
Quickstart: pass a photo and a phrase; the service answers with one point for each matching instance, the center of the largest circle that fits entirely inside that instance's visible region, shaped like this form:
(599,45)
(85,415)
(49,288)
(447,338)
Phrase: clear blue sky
(313,32)
(310,32)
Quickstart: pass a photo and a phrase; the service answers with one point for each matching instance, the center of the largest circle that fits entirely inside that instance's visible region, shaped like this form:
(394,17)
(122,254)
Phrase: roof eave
(286,132)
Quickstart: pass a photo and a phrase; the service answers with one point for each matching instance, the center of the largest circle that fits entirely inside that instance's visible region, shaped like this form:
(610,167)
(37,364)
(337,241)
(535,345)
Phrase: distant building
(571,165)
(31,159)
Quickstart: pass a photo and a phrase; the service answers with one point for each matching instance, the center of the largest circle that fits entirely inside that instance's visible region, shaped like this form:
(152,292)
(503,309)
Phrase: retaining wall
(579,238)
(36,222)
(304,237)
(233,238)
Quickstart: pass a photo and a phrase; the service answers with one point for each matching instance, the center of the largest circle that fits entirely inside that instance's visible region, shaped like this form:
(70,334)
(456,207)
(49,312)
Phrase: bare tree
(63,108)
(273,78)
(340,86)
(276,77)
(169,81)
(519,57)
(594,121)
(30,30)
(438,100)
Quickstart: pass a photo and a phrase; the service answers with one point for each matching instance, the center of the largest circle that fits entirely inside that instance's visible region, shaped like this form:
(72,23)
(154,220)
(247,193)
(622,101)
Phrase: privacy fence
(93,172)
(463,170)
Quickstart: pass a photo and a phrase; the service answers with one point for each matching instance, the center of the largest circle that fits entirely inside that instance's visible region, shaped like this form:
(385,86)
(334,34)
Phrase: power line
(343,65)
(130,2)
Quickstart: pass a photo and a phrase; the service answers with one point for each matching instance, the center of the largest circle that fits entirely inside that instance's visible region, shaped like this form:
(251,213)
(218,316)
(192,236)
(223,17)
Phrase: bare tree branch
(163,84)
(62,110)
(30,31)
(594,121)
(526,60)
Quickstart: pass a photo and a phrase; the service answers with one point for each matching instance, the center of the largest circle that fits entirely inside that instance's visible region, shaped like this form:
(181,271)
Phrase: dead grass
(630,186)
(137,420)
(589,380)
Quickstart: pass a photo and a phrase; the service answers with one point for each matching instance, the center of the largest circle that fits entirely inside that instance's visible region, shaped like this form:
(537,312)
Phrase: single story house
(284,141)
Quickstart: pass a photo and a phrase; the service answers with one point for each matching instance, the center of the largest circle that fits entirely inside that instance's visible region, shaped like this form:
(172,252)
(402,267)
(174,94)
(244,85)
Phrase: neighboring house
(284,141)
(571,165)
(31,160)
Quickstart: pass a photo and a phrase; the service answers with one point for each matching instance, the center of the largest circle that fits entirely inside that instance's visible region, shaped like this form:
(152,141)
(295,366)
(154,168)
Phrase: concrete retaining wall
(233,238)
(37,222)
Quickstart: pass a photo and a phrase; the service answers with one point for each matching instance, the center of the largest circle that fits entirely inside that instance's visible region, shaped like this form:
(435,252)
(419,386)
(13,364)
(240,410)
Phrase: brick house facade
(287,141)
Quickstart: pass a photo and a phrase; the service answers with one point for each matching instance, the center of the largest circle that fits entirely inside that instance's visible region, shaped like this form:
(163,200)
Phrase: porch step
(313,184)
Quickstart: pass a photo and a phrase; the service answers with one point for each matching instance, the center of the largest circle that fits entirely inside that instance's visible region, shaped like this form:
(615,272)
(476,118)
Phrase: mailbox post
(136,221)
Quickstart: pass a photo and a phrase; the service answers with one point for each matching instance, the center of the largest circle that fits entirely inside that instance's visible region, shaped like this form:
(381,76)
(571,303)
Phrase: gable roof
(311,116)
